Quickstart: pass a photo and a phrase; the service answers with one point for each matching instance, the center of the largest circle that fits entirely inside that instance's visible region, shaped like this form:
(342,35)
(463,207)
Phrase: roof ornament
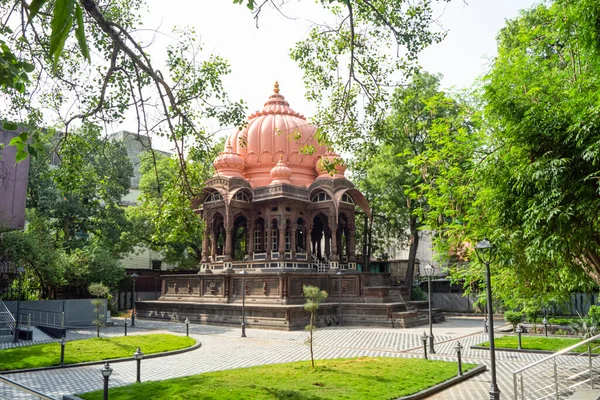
(276,87)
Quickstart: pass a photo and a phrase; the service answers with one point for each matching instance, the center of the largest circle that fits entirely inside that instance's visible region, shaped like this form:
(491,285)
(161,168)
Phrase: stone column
(213,246)
(269,240)
(282,241)
(308,243)
(327,244)
(351,245)
(334,251)
(251,244)
(293,241)
(205,239)
(228,244)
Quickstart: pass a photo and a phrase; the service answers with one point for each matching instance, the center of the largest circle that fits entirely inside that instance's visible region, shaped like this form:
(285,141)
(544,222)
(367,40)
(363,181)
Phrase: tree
(314,297)
(98,290)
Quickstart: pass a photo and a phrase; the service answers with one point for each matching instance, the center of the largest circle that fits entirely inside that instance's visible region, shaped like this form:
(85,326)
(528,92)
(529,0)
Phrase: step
(585,394)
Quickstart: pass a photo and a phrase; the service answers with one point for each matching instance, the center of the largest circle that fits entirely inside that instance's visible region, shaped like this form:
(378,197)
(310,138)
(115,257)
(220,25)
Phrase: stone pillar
(327,245)
(250,244)
(228,244)
(293,241)
(308,244)
(282,241)
(205,239)
(334,252)
(269,240)
(213,246)
(351,245)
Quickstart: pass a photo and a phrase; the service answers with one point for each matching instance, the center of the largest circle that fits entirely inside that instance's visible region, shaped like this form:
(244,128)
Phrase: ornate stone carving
(190,288)
(265,289)
(212,287)
(176,288)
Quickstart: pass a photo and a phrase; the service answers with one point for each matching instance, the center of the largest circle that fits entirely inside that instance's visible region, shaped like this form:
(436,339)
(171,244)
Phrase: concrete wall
(78,312)
(454,302)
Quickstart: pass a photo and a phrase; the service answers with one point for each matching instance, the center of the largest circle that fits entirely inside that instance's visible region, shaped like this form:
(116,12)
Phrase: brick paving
(223,348)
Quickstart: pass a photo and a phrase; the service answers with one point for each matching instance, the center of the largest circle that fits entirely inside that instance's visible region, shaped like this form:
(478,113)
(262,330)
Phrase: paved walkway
(223,348)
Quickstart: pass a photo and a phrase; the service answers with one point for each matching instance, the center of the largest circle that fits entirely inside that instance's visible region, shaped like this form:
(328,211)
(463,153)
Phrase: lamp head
(134,276)
(485,251)
(519,328)
(424,337)
(458,346)
(138,355)
(187,321)
(545,321)
(63,341)
(428,269)
(107,370)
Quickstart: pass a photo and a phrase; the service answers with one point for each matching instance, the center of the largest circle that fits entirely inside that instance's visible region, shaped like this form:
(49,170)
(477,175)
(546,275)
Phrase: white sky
(260,56)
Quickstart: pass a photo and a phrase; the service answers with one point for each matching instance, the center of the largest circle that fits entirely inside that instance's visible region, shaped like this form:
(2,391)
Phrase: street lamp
(424,339)
(156,288)
(429,272)
(519,332)
(134,277)
(486,253)
(137,356)
(106,371)
(187,327)
(339,275)
(243,273)
(545,322)
(63,342)
(20,272)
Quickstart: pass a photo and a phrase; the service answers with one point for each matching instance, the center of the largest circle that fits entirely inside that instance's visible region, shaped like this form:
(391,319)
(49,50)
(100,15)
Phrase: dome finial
(276,87)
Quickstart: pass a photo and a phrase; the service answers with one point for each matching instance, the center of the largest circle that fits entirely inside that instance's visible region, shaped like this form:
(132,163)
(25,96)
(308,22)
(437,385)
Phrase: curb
(114,360)
(572,353)
(423,394)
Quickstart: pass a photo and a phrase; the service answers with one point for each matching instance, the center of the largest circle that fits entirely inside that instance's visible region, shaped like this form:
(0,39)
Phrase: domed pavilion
(273,204)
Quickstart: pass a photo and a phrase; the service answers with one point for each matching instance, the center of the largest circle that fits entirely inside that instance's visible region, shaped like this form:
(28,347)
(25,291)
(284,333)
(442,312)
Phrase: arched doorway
(320,236)
(218,236)
(240,238)
(343,235)
(300,236)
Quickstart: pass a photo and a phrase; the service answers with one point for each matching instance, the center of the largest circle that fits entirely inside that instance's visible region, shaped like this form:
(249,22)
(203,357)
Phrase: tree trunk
(370,241)
(412,253)
(365,242)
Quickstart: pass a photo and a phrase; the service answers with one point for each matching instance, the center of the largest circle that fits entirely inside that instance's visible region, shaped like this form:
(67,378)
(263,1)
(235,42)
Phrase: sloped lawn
(538,343)
(77,351)
(357,378)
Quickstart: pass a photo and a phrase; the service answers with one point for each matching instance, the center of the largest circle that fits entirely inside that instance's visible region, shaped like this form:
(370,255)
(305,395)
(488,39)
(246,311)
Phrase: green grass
(77,351)
(538,343)
(357,378)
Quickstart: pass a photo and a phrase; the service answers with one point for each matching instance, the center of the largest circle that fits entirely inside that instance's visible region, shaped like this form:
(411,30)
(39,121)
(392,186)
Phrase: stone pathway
(223,348)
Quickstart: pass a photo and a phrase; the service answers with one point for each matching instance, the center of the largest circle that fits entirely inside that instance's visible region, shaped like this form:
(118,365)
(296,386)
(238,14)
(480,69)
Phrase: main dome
(277,133)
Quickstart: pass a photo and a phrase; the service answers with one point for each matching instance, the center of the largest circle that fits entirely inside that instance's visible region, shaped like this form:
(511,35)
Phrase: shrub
(513,317)
(417,294)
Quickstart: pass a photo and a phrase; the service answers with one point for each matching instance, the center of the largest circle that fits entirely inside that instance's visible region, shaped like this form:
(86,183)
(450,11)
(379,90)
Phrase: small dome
(228,163)
(281,173)
(330,158)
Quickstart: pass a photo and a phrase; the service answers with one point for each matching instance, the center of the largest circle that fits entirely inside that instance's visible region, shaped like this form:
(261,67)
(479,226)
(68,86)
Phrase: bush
(513,317)
(417,294)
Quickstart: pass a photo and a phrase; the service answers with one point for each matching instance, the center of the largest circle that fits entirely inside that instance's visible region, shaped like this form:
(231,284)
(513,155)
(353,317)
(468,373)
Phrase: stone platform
(273,299)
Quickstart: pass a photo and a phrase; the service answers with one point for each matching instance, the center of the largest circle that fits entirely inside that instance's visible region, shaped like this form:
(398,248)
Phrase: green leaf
(80,33)
(21,155)
(9,126)
(23,136)
(15,141)
(34,8)
(28,67)
(62,20)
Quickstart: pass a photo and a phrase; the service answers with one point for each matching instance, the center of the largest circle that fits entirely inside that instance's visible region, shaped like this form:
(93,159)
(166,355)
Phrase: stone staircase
(416,313)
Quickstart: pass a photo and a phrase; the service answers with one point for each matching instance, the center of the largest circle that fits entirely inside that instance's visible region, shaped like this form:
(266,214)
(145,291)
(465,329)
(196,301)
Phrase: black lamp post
(134,277)
(63,342)
(519,332)
(545,322)
(486,253)
(106,371)
(187,327)
(20,272)
(429,272)
(458,349)
(340,315)
(125,326)
(137,356)
(244,273)
(424,339)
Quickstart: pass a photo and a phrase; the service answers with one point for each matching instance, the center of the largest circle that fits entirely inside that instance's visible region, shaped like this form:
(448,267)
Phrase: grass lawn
(538,343)
(77,351)
(356,378)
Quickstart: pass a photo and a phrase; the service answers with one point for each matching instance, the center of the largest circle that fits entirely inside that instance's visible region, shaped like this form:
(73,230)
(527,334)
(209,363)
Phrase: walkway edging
(114,360)
(572,353)
(423,394)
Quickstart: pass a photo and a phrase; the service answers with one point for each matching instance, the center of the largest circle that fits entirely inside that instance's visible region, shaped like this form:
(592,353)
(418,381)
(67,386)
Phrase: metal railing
(550,378)
(51,319)
(24,388)
(6,317)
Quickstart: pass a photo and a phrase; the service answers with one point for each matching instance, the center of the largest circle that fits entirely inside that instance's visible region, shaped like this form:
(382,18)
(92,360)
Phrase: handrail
(7,315)
(558,353)
(24,388)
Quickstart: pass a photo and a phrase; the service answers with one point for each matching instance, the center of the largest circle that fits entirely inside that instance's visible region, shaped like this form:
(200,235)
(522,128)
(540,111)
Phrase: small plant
(314,296)
(513,318)
(417,294)
(533,315)
(586,327)
(100,291)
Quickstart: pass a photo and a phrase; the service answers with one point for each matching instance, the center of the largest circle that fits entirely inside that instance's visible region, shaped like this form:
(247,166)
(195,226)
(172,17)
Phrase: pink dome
(331,158)
(273,132)
(281,173)
(228,163)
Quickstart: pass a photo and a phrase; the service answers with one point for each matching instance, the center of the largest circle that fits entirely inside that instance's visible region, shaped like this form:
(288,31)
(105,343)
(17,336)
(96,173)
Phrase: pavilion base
(274,299)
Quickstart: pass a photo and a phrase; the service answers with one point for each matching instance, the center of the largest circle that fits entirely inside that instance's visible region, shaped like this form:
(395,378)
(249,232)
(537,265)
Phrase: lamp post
(20,272)
(458,349)
(340,315)
(545,322)
(125,326)
(519,332)
(137,356)
(243,273)
(429,272)
(156,288)
(187,327)
(63,342)
(106,371)
(424,339)
(486,253)
(134,277)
